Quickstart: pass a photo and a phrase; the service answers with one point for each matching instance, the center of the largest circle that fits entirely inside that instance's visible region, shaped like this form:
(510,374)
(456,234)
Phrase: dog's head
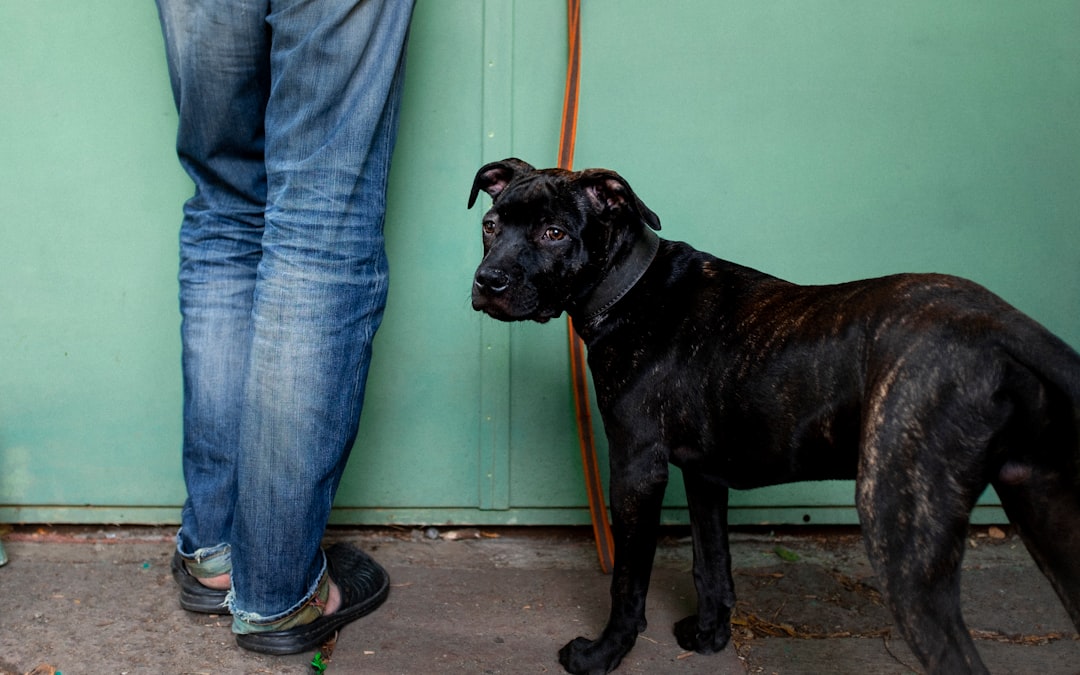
(551,236)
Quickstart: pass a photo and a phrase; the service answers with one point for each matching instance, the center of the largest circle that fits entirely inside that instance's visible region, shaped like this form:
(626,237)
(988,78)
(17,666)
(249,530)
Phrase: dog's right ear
(494,177)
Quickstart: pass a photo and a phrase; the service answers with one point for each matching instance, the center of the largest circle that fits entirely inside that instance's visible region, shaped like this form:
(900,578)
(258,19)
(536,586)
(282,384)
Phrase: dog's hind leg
(1039,483)
(709,630)
(919,477)
(1045,507)
(916,548)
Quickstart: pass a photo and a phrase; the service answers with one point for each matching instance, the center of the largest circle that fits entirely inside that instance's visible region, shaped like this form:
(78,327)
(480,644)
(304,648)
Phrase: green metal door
(819,141)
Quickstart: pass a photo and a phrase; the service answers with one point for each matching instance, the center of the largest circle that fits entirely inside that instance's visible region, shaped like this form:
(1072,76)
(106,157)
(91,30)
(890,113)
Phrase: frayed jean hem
(204,563)
(253,622)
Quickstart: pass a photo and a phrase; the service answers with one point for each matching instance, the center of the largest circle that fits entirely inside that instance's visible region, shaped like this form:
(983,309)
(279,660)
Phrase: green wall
(820,141)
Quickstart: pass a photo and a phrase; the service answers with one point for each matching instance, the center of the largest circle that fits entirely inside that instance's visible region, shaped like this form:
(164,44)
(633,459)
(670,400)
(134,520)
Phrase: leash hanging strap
(594,486)
(568,132)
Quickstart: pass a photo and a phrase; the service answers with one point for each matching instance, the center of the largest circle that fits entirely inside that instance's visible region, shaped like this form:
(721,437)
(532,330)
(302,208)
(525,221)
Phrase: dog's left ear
(494,177)
(608,191)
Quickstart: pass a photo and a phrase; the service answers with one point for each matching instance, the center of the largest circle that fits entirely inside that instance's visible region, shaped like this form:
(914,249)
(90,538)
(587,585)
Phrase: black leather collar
(619,280)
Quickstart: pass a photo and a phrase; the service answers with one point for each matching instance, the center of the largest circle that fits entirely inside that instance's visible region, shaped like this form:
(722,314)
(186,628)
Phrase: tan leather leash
(594,486)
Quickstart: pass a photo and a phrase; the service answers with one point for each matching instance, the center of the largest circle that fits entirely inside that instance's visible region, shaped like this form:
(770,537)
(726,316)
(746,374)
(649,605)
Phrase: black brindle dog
(923,388)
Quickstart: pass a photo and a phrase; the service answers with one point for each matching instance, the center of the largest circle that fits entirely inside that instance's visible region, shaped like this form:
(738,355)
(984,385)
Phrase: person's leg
(218,57)
(331,119)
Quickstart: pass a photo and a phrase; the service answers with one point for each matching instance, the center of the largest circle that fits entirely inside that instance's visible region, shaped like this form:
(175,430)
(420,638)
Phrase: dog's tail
(1057,365)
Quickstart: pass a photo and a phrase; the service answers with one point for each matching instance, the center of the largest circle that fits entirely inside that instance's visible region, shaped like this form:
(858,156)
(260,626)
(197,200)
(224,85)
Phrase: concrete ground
(101,600)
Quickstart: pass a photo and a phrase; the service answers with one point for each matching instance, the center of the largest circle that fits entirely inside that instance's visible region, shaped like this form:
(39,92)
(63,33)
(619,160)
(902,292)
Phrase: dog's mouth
(506,307)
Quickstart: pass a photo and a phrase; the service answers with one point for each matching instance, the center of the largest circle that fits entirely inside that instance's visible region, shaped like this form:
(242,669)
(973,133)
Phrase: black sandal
(364,585)
(194,597)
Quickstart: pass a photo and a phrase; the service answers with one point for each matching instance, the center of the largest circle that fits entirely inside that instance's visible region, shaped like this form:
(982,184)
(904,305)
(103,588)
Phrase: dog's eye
(489,227)
(554,234)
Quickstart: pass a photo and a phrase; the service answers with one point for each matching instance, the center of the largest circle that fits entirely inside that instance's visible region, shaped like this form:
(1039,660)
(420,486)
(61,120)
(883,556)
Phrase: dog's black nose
(491,280)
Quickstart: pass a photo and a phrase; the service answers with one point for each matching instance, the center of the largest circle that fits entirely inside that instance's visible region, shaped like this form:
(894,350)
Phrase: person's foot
(357,586)
(196,596)
(333,598)
(221,582)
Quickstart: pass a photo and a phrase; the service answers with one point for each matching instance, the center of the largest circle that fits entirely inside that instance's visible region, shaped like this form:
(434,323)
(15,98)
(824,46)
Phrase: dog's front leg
(709,630)
(637,492)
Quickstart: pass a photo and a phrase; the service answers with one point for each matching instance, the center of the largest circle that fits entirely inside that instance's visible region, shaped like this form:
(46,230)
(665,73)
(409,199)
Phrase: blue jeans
(287,121)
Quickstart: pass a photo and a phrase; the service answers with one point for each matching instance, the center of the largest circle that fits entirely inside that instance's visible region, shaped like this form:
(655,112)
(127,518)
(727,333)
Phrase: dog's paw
(590,657)
(691,638)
